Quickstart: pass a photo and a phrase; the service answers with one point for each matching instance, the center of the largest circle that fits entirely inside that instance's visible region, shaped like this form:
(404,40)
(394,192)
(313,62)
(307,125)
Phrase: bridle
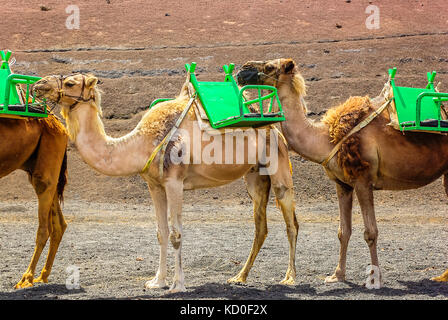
(276,78)
(77,99)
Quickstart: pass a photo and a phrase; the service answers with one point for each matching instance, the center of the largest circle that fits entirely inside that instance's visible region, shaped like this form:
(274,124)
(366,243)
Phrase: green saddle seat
(225,105)
(10,102)
(419,109)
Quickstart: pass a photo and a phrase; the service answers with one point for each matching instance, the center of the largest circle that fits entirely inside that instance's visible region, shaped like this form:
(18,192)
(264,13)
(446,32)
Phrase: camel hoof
(26,282)
(444,276)
(155,283)
(441,278)
(334,278)
(40,280)
(23,284)
(177,287)
(288,281)
(237,280)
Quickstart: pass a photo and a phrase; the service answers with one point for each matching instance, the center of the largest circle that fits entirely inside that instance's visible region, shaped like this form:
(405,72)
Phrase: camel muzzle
(38,89)
(248,76)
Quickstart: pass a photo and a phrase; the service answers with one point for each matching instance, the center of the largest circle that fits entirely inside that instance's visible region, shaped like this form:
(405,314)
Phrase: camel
(80,102)
(377,157)
(38,147)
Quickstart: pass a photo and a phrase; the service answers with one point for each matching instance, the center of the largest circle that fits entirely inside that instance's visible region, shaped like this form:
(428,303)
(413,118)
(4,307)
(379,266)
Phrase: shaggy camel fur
(38,146)
(79,98)
(376,158)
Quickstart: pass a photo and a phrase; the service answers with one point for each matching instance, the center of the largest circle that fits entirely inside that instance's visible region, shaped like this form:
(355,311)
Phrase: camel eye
(69,84)
(269,68)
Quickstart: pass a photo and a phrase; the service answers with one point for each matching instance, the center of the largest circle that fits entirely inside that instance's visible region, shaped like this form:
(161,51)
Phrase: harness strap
(77,99)
(360,125)
(164,143)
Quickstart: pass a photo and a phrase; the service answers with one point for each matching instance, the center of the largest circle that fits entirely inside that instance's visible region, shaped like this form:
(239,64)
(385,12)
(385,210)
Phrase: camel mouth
(248,76)
(40,90)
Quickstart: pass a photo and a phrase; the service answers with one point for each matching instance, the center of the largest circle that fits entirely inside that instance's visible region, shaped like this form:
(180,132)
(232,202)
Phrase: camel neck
(110,156)
(306,137)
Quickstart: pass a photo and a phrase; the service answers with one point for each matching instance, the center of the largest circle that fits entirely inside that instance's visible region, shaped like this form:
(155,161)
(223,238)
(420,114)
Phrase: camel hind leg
(258,187)
(57,226)
(283,186)
(444,276)
(45,189)
(44,172)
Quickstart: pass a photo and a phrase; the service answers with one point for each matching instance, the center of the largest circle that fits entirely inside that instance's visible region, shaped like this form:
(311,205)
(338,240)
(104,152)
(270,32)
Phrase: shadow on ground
(41,292)
(423,287)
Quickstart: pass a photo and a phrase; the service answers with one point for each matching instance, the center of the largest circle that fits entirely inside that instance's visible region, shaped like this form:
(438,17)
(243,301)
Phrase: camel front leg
(444,276)
(174,193)
(160,204)
(364,192)
(57,228)
(258,188)
(285,198)
(345,198)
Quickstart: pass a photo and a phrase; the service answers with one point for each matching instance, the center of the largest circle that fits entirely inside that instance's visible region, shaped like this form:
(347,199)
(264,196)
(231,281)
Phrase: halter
(77,99)
(277,74)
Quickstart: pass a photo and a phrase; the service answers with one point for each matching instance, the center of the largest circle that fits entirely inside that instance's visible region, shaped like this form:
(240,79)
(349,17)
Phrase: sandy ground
(138,49)
(115,249)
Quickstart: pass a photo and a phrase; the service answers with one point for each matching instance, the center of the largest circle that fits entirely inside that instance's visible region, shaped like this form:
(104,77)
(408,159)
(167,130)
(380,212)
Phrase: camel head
(273,73)
(69,92)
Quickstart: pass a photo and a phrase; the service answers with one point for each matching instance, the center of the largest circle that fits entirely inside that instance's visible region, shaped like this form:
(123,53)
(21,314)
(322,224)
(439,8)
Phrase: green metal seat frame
(10,102)
(225,104)
(419,109)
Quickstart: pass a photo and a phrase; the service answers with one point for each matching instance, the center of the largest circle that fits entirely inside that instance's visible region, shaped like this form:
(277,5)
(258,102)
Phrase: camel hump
(340,120)
(344,117)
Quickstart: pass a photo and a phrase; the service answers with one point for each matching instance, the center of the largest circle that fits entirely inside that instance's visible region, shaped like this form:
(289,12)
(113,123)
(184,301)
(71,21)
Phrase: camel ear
(91,81)
(289,66)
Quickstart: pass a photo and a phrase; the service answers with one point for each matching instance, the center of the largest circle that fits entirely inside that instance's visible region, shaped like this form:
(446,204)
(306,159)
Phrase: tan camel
(376,158)
(38,146)
(80,100)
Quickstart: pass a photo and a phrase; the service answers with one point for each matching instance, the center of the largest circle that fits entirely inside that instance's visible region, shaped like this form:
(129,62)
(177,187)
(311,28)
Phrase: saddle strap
(163,144)
(360,125)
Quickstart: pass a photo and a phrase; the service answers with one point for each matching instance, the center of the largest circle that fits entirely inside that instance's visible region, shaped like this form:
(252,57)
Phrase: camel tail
(62,179)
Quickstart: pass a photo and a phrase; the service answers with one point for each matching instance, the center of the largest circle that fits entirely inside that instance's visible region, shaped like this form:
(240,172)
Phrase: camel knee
(262,232)
(370,236)
(175,238)
(41,184)
(296,224)
(42,235)
(162,237)
(281,191)
(63,226)
(344,234)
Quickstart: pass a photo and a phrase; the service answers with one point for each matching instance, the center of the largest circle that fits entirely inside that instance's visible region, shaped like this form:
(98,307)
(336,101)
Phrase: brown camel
(378,157)
(38,146)
(80,100)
